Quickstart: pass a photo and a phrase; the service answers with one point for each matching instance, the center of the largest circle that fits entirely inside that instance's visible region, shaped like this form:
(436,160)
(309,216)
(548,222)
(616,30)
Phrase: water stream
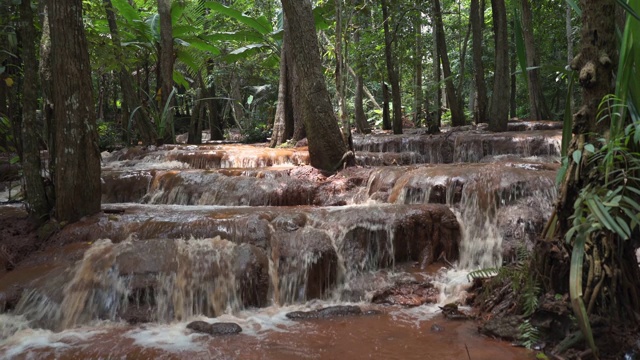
(247,234)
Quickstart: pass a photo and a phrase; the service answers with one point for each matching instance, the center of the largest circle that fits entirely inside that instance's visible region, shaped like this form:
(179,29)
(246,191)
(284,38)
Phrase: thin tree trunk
(31,167)
(457,114)
(358,102)
(537,107)
(367,92)
(327,150)
(77,172)
(499,107)
(386,116)
(392,71)
(340,74)
(477,22)
(166,70)
(279,134)
(437,75)
(418,98)
(513,106)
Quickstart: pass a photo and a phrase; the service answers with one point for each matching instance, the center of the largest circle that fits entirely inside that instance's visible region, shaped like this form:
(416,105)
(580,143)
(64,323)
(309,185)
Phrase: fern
(529,334)
(482,274)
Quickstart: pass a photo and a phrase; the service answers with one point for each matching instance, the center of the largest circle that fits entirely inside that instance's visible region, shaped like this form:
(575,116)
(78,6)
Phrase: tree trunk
(46,85)
(499,117)
(31,167)
(417,91)
(360,116)
(513,106)
(327,151)
(435,123)
(166,71)
(455,106)
(537,107)
(77,173)
(386,116)
(288,124)
(341,74)
(480,113)
(392,71)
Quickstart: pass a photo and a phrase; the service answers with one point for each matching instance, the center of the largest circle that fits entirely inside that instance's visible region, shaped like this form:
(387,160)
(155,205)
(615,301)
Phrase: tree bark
(455,106)
(341,73)
(386,116)
(392,71)
(499,117)
(480,112)
(435,123)
(166,70)
(537,107)
(288,123)
(361,118)
(77,172)
(417,91)
(31,167)
(327,151)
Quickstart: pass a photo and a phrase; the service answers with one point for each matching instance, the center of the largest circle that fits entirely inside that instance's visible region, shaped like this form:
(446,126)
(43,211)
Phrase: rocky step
(505,181)
(452,147)
(170,263)
(455,146)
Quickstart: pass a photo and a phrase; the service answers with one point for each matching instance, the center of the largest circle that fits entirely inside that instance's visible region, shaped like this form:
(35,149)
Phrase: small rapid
(234,233)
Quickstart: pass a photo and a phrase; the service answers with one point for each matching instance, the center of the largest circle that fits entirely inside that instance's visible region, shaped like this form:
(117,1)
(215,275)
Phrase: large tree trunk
(46,85)
(477,22)
(31,167)
(288,124)
(327,150)
(499,116)
(537,107)
(166,70)
(77,173)
(455,106)
(392,71)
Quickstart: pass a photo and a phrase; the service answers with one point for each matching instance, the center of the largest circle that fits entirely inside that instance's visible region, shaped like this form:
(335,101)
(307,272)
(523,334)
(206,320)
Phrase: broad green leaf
(575,7)
(246,35)
(260,24)
(203,46)
(577,156)
(590,148)
(126,10)
(628,9)
(244,52)
(180,79)
(575,291)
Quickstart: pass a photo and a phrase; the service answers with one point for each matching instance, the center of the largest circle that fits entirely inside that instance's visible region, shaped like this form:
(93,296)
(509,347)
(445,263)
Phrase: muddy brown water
(386,336)
(166,204)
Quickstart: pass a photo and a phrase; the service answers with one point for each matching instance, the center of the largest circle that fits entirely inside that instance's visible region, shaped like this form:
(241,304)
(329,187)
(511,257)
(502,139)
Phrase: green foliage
(109,135)
(7,144)
(529,334)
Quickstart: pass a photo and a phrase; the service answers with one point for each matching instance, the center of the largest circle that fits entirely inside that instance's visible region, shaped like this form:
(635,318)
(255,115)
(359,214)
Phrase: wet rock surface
(407,294)
(327,313)
(504,327)
(215,329)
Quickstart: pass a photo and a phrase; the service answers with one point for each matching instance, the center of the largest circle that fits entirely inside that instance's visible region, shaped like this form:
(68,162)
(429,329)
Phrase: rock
(407,294)
(215,329)
(327,313)
(451,312)
(507,327)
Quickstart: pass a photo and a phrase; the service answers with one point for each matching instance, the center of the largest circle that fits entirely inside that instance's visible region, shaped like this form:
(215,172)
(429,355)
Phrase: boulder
(215,329)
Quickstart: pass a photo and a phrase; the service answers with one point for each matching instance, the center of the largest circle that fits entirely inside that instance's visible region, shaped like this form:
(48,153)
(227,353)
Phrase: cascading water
(172,264)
